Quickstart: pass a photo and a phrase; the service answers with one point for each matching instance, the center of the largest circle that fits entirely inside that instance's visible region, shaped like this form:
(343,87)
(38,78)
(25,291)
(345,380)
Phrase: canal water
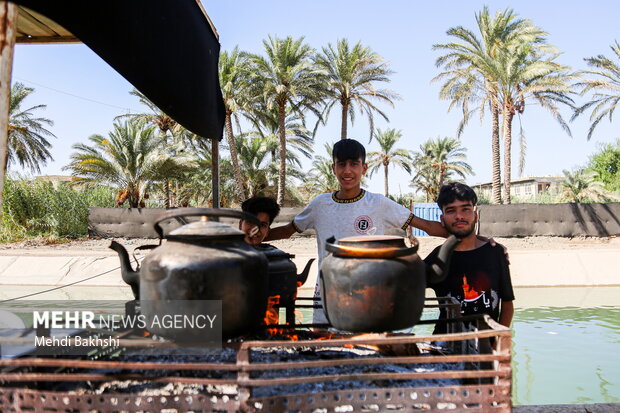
(566,345)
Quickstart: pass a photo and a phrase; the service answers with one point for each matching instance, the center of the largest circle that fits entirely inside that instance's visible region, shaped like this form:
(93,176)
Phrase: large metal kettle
(377,283)
(203,260)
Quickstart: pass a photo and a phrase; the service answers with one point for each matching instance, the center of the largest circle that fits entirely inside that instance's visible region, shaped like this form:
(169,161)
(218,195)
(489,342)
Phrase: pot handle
(203,212)
(357,252)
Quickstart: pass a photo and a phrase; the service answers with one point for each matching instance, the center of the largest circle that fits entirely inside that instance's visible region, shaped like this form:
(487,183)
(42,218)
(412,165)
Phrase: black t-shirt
(477,278)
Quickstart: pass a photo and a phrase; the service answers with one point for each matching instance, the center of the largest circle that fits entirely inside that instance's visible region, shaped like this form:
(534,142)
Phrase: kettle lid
(205,230)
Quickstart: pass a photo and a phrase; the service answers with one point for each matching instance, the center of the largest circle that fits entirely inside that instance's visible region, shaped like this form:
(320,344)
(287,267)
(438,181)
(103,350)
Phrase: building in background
(56,180)
(529,188)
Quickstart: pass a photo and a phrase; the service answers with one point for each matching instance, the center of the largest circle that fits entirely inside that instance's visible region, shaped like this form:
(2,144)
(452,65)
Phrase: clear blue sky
(83,94)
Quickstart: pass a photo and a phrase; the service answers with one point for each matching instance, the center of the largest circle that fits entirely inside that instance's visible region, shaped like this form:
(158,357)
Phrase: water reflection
(566,355)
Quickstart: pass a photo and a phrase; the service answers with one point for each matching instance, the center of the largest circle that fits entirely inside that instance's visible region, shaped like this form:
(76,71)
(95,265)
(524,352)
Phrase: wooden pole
(8,26)
(215,172)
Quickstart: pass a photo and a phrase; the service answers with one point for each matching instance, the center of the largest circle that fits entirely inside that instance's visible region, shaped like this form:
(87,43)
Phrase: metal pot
(283,277)
(202,260)
(377,283)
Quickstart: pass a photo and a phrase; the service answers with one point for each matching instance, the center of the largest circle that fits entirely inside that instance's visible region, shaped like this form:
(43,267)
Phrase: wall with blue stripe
(428,211)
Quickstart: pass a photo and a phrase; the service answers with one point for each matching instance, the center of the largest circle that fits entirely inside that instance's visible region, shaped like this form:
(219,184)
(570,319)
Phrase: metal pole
(8,26)
(215,172)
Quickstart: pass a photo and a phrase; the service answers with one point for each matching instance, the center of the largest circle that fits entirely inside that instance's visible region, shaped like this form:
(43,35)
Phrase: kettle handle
(357,252)
(203,212)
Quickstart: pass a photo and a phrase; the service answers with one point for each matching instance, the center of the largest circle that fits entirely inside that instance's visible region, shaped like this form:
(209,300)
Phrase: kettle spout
(303,276)
(437,272)
(130,276)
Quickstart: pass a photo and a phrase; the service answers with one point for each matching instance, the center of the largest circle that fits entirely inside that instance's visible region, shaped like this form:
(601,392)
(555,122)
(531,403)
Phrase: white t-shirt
(366,214)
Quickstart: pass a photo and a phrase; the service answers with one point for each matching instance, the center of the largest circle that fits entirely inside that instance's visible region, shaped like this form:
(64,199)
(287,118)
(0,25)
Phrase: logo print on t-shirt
(362,224)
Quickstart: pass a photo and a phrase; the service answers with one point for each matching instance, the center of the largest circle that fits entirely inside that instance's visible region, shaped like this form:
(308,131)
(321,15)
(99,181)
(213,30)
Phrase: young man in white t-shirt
(351,210)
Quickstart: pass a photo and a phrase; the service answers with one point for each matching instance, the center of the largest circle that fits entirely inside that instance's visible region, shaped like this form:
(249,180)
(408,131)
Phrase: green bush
(37,209)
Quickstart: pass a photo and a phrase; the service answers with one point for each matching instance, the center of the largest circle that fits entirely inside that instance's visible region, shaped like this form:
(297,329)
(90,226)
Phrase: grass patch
(37,209)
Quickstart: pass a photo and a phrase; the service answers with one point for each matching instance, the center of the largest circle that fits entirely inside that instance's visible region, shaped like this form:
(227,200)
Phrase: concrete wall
(138,222)
(563,220)
(517,220)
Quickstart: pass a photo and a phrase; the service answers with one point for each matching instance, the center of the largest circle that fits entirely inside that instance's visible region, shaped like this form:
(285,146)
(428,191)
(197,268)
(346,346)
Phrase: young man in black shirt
(478,277)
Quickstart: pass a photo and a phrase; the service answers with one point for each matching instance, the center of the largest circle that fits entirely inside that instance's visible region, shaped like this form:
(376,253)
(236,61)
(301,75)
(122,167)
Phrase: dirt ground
(304,245)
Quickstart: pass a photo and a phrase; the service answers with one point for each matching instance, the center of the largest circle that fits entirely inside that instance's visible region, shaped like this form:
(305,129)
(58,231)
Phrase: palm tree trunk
(343,128)
(442,175)
(167,191)
(496,180)
(507,115)
(385,179)
(282,172)
(234,157)
(8,26)
(132,198)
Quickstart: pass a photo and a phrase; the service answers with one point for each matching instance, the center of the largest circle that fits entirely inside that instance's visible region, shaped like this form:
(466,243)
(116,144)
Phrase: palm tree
(425,180)
(352,75)
(582,186)
(471,77)
(321,177)
(606,87)
(156,117)
(254,161)
(525,73)
(259,170)
(438,161)
(197,186)
(132,158)
(233,72)
(27,135)
(267,125)
(286,77)
(388,155)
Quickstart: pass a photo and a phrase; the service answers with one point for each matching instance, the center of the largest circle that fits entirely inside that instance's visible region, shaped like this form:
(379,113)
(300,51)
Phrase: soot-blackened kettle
(376,283)
(203,260)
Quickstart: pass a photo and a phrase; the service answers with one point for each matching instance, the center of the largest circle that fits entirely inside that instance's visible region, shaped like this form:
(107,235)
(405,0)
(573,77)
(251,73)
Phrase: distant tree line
(277,101)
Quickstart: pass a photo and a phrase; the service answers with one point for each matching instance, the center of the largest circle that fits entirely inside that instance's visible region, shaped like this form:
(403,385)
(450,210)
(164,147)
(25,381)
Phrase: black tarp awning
(167,49)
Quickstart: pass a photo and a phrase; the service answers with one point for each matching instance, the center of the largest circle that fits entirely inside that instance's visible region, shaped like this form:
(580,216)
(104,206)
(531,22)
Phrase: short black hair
(265,204)
(451,191)
(348,149)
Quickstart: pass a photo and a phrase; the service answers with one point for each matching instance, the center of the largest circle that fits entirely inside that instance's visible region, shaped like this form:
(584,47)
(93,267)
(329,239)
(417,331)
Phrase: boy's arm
(506,313)
(282,232)
(433,228)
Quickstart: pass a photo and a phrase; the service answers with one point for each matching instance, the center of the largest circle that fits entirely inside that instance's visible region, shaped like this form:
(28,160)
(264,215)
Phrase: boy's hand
(494,244)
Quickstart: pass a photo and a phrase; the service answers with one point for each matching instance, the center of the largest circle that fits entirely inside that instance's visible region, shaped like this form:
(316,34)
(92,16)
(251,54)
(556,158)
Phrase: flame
(272,315)
(330,335)
(327,336)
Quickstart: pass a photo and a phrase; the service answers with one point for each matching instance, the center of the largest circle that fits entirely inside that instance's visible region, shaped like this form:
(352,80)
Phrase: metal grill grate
(479,377)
